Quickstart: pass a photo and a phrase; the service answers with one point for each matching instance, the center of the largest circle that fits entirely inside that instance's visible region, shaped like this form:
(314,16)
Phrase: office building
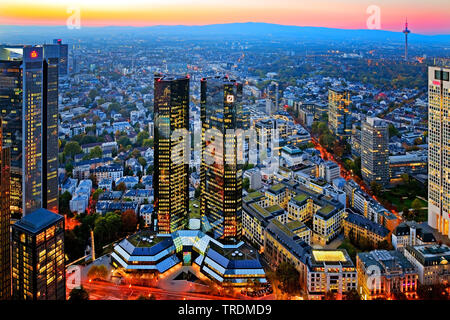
(439,149)
(329,170)
(431,262)
(395,275)
(5,216)
(357,228)
(38,271)
(63,56)
(339,114)
(171,175)
(222,162)
(330,271)
(375,151)
(29,106)
(50,143)
(411,233)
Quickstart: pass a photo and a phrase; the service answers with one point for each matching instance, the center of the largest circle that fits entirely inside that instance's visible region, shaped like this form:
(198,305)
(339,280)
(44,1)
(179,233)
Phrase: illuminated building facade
(5,215)
(439,149)
(171,175)
(29,106)
(395,274)
(221,169)
(38,271)
(50,142)
(339,114)
(330,271)
(375,151)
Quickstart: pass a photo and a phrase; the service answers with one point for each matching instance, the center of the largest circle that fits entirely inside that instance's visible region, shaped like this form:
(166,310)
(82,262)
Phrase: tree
(393,131)
(376,188)
(147,143)
(95,152)
(405,178)
(124,141)
(121,187)
(98,272)
(97,194)
(141,137)
(352,295)
(288,276)
(92,94)
(72,148)
(129,221)
(64,203)
(142,161)
(416,205)
(245,183)
(78,294)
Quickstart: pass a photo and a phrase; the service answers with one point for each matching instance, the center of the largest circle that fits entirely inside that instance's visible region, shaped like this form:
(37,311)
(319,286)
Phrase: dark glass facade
(5,215)
(171,173)
(221,170)
(50,129)
(29,107)
(38,270)
(63,55)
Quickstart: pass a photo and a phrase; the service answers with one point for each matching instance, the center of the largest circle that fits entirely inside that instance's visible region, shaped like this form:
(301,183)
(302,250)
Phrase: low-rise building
(382,274)
(410,233)
(431,262)
(357,227)
(330,271)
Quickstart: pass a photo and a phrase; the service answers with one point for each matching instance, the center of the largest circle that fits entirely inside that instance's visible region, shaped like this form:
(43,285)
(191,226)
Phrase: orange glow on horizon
(429,17)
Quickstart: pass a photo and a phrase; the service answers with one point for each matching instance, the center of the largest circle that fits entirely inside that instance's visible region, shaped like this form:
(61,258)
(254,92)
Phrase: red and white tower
(406,32)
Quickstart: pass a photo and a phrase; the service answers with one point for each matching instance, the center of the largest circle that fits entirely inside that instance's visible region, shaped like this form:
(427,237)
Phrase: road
(347,174)
(99,290)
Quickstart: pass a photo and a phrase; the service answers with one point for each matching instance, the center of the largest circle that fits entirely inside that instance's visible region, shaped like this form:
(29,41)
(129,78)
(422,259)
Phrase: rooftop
(38,220)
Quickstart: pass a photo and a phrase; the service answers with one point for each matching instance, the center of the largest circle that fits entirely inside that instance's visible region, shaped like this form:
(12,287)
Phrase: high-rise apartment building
(221,169)
(439,148)
(339,114)
(5,216)
(38,271)
(29,108)
(172,152)
(375,151)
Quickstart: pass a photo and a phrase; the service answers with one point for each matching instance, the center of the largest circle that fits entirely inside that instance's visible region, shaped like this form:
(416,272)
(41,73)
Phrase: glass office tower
(5,215)
(38,268)
(172,152)
(29,107)
(50,128)
(63,56)
(221,170)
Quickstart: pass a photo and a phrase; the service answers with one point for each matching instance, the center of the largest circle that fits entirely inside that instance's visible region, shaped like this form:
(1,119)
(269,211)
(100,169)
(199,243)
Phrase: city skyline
(237,161)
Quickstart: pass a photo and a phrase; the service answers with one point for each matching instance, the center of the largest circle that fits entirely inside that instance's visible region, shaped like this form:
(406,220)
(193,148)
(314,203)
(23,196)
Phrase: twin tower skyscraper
(221,171)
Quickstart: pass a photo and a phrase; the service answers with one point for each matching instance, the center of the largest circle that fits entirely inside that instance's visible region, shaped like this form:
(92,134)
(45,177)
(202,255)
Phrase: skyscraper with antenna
(406,32)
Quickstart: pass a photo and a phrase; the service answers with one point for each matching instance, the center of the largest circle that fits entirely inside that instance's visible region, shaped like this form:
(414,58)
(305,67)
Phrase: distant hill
(248,30)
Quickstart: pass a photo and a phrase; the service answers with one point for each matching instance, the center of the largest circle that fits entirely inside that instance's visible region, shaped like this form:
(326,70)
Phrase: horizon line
(218,24)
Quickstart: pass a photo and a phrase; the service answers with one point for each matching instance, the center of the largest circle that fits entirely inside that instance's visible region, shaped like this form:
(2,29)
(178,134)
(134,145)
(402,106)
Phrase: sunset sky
(424,16)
